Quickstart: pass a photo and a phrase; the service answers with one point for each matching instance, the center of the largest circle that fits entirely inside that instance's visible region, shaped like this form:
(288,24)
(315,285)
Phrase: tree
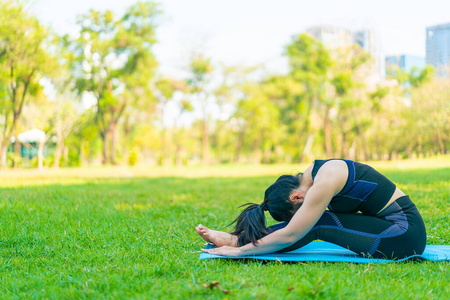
(23,62)
(165,88)
(409,110)
(38,115)
(347,79)
(414,78)
(200,89)
(64,98)
(309,63)
(65,116)
(113,60)
(257,123)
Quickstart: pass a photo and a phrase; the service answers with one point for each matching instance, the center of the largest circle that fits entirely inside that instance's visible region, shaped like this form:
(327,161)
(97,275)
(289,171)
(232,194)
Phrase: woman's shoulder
(332,174)
(328,165)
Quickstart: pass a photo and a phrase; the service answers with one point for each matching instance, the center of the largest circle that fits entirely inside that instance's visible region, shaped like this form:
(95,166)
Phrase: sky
(255,32)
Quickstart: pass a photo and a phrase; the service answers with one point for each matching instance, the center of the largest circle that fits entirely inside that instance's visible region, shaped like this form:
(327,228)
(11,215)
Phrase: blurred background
(198,82)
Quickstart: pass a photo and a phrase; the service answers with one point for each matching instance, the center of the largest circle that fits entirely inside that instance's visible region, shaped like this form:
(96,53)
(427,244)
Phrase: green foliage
(113,60)
(200,67)
(415,78)
(84,140)
(342,82)
(73,158)
(419,77)
(13,159)
(133,158)
(256,123)
(92,233)
(24,60)
(308,59)
(168,86)
(201,91)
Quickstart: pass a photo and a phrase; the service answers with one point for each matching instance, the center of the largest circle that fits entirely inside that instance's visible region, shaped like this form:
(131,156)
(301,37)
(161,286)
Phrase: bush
(13,158)
(73,159)
(133,157)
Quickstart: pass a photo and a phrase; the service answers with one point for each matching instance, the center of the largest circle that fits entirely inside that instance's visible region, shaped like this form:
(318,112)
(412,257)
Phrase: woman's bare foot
(218,238)
(203,232)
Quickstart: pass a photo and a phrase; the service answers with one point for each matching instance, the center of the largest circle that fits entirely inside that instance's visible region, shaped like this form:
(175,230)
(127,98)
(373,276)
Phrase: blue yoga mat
(324,251)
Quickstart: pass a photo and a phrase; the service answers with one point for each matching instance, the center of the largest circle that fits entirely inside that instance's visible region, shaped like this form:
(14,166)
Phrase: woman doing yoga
(366,213)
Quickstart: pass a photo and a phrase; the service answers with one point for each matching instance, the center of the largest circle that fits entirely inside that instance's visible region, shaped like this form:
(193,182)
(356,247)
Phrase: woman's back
(366,189)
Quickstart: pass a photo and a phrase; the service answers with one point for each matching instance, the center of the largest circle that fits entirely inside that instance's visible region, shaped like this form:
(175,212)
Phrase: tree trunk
(3,151)
(344,151)
(420,148)
(41,155)
(164,151)
(440,142)
(239,143)
(114,142)
(205,143)
(5,143)
(58,150)
(258,149)
(309,141)
(257,155)
(17,106)
(237,150)
(307,149)
(344,141)
(82,154)
(178,146)
(327,133)
(362,137)
(266,157)
(66,153)
(126,142)
(105,159)
(17,151)
(178,157)
(58,154)
(352,150)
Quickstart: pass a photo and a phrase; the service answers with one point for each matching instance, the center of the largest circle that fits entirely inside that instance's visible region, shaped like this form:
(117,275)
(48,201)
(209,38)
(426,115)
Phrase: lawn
(129,233)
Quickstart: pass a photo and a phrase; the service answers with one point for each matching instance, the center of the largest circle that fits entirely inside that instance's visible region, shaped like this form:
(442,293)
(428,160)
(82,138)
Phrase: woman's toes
(203,227)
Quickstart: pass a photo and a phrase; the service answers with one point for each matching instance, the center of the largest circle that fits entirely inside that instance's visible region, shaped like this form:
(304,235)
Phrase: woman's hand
(225,250)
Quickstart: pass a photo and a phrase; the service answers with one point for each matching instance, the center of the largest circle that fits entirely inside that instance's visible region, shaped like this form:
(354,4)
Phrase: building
(438,48)
(404,62)
(370,42)
(332,37)
(335,37)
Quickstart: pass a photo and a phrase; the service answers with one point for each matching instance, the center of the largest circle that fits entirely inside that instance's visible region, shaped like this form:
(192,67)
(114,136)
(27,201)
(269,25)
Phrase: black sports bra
(366,189)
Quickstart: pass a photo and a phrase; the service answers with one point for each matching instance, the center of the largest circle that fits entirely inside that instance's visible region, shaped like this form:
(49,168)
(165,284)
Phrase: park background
(86,87)
(136,121)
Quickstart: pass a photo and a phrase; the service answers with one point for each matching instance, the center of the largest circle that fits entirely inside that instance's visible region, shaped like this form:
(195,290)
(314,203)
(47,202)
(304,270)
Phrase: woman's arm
(329,181)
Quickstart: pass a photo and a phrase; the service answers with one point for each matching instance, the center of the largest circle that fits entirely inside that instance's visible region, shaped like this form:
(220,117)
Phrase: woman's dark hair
(251,223)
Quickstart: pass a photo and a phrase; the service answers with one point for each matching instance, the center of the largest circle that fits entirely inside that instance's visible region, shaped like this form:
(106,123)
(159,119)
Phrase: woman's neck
(307,180)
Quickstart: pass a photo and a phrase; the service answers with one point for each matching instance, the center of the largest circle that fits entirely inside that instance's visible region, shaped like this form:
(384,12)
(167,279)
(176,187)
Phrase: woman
(366,213)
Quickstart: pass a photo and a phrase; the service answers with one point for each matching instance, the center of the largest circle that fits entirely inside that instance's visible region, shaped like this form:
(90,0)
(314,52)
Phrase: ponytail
(250,224)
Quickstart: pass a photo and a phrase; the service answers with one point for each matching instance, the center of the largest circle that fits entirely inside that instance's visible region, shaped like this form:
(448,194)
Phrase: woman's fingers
(225,250)
(211,251)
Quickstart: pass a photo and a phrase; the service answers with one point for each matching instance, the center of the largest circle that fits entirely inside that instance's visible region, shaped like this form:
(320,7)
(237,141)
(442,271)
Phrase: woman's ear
(297,197)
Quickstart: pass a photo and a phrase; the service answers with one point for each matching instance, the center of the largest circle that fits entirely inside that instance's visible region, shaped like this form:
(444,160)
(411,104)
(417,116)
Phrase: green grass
(127,233)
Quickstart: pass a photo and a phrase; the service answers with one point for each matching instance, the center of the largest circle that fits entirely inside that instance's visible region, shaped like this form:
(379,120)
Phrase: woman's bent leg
(397,234)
